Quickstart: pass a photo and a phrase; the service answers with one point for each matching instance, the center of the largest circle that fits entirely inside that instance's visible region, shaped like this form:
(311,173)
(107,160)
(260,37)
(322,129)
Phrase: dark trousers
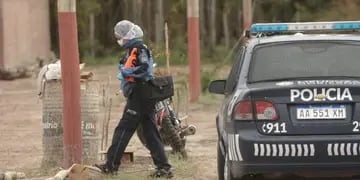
(137,110)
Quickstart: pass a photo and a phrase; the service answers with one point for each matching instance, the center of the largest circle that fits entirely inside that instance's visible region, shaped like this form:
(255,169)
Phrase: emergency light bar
(306,26)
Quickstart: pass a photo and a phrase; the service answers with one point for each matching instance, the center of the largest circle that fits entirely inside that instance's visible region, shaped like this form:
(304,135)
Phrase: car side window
(233,77)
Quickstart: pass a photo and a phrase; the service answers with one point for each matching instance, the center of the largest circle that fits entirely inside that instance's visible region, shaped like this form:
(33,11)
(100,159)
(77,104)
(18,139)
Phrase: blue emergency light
(305,26)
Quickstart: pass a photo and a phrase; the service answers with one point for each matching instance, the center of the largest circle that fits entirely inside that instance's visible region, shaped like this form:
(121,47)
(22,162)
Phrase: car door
(230,87)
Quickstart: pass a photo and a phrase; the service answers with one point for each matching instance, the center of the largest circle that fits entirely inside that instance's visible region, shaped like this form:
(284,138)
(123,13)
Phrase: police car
(292,102)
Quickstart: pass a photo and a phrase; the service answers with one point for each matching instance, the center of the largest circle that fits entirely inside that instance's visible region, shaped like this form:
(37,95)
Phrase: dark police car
(292,102)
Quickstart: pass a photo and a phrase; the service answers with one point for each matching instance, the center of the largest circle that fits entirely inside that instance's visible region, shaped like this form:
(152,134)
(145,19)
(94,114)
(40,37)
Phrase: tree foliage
(144,12)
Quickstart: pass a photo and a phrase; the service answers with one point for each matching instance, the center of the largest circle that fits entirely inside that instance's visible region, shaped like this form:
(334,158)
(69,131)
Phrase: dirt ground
(21,128)
(21,131)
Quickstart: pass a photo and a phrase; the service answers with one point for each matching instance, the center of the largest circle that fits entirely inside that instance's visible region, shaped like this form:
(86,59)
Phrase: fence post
(247,9)
(69,55)
(193,49)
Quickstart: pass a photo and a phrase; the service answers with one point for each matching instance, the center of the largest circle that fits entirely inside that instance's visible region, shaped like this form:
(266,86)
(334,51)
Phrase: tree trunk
(148,20)
(202,22)
(136,10)
(127,14)
(92,34)
(113,13)
(226,25)
(240,18)
(212,27)
(159,22)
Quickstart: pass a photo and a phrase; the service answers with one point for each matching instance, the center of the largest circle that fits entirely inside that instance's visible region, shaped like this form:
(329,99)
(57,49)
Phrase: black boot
(105,169)
(162,173)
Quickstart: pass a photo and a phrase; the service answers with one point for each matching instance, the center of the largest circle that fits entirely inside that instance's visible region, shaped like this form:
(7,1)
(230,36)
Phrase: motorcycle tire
(169,135)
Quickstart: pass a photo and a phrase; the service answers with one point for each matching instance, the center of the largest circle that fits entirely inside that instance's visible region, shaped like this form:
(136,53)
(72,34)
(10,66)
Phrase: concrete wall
(1,36)
(25,31)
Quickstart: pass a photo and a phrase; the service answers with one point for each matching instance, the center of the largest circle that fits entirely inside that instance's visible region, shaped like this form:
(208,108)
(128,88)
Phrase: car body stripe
(299,150)
(287,151)
(329,149)
(237,144)
(293,150)
(336,152)
(230,148)
(274,148)
(233,148)
(262,150)
(256,149)
(312,150)
(306,150)
(355,149)
(348,149)
(221,144)
(342,149)
(281,150)
(268,150)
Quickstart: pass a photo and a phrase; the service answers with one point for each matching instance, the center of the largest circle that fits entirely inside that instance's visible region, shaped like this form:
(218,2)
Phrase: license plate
(321,112)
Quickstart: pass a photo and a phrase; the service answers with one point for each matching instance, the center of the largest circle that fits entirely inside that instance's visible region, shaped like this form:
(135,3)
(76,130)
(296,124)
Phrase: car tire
(224,172)
(220,163)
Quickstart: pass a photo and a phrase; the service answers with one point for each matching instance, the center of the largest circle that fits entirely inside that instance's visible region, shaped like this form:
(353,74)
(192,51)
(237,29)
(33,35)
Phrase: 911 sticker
(274,128)
(321,94)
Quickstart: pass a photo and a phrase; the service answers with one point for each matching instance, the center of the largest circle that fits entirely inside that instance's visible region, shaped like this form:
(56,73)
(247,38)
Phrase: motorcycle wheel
(169,135)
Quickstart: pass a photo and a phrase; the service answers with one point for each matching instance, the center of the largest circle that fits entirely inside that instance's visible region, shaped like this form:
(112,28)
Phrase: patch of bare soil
(21,129)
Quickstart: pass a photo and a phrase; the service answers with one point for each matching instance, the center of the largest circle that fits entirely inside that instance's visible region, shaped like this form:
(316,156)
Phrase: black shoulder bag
(161,88)
(157,89)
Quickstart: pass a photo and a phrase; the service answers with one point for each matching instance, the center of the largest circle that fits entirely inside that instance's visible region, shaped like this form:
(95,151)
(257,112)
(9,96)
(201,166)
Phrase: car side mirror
(217,87)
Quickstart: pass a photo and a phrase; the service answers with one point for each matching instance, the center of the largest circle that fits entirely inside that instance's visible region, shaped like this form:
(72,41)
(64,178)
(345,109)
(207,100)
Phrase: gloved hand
(120,76)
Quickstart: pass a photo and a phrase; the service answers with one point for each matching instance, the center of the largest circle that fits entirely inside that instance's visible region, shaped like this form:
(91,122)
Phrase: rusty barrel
(53,148)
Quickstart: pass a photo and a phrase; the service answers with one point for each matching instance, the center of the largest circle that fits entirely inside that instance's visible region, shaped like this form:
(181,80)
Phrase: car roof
(304,37)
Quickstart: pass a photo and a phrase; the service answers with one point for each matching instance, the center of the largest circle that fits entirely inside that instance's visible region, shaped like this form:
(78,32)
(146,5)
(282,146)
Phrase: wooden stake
(167,49)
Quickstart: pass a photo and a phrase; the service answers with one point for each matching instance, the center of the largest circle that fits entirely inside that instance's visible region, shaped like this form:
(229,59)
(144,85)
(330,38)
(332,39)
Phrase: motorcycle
(171,128)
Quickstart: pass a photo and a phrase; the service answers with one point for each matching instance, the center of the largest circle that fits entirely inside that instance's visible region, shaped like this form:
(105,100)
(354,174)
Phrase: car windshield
(306,59)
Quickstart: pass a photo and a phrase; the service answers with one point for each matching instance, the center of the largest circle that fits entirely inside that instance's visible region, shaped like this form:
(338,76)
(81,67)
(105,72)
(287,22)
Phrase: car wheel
(220,163)
(224,172)
(223,165)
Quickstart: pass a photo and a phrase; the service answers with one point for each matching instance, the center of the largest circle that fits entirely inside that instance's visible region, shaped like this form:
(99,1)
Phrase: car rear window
(293,60)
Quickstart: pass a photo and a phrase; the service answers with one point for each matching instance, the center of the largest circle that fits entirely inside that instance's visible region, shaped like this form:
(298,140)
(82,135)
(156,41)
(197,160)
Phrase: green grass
(178,55)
